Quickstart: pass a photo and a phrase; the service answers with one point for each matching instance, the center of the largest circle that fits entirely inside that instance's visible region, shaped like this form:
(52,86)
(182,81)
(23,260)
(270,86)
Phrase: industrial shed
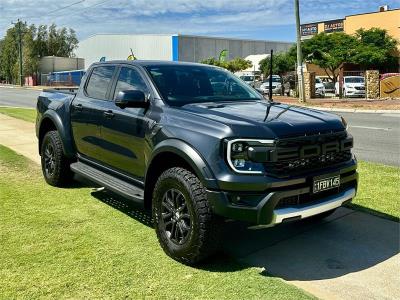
(173,47)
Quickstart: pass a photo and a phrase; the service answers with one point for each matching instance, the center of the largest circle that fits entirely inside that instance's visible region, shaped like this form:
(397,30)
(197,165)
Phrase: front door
(124,130)
(87,112)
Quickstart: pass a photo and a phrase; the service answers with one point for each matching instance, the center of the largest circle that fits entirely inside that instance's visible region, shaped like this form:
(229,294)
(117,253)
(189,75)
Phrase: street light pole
(300,75)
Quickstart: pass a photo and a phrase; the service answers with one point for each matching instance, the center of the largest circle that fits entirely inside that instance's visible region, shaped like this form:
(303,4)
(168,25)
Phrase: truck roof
(146,63)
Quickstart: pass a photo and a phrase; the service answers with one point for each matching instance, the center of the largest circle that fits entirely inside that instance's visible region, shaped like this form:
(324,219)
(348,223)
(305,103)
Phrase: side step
(116,185)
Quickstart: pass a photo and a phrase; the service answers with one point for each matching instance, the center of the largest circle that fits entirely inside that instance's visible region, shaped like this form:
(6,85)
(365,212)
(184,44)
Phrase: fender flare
(64,133)
(191,156)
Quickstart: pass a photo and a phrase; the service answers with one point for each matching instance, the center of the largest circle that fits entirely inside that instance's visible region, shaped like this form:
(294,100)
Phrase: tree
(235,65)
(9,55)
(36,42)
(281,64)
(376,49)
(330,51)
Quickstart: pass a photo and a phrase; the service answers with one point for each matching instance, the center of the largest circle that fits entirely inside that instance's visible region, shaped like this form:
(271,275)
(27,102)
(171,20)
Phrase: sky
(256,19)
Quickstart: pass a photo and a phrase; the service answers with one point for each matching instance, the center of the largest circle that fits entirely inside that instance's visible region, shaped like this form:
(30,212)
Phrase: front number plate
(327,183)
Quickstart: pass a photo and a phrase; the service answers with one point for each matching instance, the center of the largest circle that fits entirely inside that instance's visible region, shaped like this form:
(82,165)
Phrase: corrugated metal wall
(115,47)
(196,48)
(170,47)
(49,64)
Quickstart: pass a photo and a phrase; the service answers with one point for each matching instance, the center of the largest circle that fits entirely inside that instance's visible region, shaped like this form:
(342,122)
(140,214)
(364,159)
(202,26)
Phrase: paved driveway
(351,255)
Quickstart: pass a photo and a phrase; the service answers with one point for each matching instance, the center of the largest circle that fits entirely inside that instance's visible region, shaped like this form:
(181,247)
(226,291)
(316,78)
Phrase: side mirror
(131,98)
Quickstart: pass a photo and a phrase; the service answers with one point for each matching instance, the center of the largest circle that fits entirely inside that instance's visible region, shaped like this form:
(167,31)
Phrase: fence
(70,78)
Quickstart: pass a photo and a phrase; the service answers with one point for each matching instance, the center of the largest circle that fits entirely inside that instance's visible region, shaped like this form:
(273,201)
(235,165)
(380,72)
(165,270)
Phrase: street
(18,97)
(377,136)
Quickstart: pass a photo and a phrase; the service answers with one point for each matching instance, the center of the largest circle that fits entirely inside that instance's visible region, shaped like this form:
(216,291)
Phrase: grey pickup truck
(195,145)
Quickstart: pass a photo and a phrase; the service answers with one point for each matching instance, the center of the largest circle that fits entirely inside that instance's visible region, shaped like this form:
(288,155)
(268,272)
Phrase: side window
(130,79)
(99,82)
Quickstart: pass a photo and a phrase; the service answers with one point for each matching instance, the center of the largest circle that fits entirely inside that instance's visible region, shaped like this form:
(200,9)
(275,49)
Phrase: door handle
(78,107)
(108,114)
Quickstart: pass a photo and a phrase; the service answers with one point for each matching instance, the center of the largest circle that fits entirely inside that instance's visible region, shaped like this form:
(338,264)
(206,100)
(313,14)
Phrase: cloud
(255,19)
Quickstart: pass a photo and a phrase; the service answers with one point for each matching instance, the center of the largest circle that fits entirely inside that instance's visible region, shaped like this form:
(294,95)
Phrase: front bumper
(356,93)
(265,208)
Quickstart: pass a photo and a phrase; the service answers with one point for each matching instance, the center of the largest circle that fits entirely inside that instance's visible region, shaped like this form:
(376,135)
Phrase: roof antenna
(270,76)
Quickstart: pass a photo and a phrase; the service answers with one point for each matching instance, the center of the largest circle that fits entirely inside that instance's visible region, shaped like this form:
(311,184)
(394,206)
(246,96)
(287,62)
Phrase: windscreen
(274,79)
(247,78)
(355,80)
(184,84)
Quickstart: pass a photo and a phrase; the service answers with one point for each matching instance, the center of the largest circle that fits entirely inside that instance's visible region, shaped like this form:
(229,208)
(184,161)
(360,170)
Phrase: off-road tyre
(202,239)
(55,166)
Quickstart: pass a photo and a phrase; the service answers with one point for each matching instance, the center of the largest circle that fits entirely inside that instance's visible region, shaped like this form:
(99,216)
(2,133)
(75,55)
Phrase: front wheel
(186,228)
(55,166)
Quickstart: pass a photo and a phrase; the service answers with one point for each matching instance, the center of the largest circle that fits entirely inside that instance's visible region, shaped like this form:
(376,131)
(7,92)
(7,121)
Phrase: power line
(52,11)
(64,7)
(86,8)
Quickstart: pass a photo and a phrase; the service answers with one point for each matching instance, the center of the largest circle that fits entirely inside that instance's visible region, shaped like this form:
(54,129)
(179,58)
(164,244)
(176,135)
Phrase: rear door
(87,112)
(124,130)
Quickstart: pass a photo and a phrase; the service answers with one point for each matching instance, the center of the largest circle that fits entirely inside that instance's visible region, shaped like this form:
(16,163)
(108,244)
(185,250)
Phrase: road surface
(377,136)
(18,97)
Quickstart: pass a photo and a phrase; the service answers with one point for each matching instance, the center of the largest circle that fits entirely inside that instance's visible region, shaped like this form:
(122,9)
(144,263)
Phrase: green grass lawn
(26,114)
(378,190)
(71,243)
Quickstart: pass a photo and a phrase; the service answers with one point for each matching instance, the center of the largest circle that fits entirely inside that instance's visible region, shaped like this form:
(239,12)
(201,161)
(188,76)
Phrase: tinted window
(354,80)
(99,82)
(130,79)
(183,84)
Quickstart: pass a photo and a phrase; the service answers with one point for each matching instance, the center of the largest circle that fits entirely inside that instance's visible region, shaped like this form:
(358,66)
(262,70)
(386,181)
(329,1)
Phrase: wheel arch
(52,121)
(175,153)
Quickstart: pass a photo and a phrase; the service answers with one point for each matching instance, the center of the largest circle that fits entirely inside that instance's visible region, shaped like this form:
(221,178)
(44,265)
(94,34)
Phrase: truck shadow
(127,207)
(348,241)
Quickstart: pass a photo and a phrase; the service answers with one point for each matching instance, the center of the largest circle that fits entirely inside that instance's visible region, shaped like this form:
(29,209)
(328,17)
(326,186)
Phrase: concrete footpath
(350,255)
(20,136)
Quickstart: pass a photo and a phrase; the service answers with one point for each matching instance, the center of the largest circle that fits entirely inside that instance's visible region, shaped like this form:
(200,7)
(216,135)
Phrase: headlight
(344,123)
(245,155)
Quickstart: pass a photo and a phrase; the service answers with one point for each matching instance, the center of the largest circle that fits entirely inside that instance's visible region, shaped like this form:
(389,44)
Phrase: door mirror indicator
(131,98)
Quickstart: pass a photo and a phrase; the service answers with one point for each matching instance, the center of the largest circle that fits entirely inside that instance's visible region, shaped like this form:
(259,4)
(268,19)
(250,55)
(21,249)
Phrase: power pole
(19,31)
(302,96)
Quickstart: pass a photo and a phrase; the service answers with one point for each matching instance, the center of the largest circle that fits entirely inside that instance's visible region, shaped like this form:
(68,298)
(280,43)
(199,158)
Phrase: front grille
(360,88)
(295,166)
(293,156)
(304,199)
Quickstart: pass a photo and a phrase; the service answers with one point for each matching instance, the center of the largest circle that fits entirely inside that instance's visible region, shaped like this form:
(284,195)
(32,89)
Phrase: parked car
(329,87)
(170,137)
(319,88)
(353,86)
(276,85)
(248,79)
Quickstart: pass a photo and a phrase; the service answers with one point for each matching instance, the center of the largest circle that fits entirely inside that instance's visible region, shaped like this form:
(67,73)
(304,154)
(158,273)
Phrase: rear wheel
(55,166)
(185,225)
